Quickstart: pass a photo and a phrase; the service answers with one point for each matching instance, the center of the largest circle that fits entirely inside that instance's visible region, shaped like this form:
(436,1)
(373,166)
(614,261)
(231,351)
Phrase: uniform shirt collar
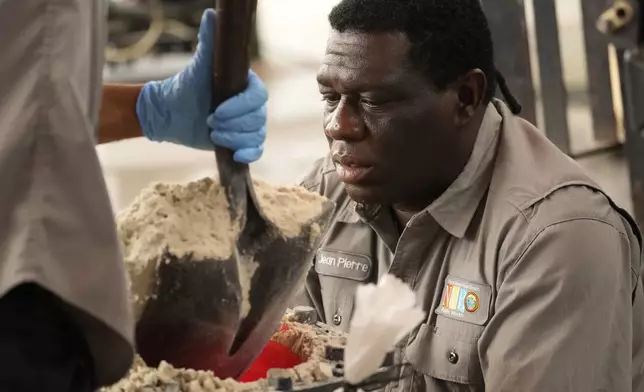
(456,207)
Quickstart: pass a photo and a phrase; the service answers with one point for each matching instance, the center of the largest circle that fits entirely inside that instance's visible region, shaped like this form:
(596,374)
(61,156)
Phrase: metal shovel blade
(193,314)
(194,319)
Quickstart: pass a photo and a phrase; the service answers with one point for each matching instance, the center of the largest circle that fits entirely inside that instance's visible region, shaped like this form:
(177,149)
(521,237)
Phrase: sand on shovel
(193,219)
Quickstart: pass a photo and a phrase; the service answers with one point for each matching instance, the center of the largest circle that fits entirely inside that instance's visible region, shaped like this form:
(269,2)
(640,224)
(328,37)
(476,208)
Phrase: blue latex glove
(179,109)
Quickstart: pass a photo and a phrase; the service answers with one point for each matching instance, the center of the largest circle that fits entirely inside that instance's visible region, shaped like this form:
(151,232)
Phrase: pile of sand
(305,340)
(166,378)
(193,220)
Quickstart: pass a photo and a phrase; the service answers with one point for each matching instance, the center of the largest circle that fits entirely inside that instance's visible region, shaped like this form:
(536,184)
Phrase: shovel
(195,318)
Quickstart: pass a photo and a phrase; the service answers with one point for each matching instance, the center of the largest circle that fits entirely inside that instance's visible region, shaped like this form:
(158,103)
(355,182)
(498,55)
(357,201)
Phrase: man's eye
(330,99)
(370,103)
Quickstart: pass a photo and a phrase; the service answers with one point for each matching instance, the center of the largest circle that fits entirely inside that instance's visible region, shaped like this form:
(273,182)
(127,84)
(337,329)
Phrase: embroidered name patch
(343,264)
(465,301)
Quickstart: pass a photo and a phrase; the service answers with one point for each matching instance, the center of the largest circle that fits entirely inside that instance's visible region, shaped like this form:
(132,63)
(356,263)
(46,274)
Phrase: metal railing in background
(511,36)
(613,34)
(623,24)
(507,21)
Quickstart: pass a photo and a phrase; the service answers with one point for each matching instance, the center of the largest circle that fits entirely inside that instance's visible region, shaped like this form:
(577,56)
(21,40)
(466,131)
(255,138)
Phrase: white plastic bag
(384,314)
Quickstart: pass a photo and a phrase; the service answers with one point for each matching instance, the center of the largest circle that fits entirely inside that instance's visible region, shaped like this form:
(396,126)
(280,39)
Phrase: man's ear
(470,91)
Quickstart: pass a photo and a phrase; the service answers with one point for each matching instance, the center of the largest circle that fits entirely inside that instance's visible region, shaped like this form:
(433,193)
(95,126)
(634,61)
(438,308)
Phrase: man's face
(392,136)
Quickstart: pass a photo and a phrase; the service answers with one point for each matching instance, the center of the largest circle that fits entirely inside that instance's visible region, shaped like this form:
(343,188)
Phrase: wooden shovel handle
(230,77)
(232,47)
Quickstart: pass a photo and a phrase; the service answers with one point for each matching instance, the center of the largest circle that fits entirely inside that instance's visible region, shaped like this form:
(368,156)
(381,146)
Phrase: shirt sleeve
(563,317)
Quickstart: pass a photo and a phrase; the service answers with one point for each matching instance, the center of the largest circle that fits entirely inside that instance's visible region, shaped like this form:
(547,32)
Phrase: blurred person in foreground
(65,320)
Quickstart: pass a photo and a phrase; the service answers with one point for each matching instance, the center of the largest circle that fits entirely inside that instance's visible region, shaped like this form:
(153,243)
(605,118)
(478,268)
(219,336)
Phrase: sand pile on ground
(166,378)
(193,220)
(305,340)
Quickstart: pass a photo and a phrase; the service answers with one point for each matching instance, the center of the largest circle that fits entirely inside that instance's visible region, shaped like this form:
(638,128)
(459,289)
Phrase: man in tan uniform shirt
(529,273)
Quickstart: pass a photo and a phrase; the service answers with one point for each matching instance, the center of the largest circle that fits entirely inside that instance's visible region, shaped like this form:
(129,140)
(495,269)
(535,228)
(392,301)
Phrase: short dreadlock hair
(448,37)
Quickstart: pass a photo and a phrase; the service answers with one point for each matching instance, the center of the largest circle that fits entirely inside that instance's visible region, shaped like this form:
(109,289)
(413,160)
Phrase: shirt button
(337,319)
(452,357)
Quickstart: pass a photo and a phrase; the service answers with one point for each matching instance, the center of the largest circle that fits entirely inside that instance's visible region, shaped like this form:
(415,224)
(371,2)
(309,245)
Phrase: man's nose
(345,122)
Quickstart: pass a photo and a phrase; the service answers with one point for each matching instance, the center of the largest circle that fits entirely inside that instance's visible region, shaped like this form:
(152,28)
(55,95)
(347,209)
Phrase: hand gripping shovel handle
(230,77)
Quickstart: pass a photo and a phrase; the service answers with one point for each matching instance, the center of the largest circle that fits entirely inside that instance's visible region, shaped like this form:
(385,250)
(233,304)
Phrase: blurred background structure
(563,69)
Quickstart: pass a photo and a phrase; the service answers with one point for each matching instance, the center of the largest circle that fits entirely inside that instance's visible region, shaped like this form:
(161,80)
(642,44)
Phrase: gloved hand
(179,109)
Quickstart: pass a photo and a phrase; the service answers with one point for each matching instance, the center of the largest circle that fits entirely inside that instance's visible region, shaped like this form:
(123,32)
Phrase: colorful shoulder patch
(465,301)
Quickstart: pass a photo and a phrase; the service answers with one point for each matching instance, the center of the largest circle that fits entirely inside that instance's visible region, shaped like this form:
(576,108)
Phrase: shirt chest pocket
(338,297)
(340,273)
(447,355)
(343,262)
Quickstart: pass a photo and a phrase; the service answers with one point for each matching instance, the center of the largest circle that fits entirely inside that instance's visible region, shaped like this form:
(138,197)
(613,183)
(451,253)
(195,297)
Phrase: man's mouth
(351,170)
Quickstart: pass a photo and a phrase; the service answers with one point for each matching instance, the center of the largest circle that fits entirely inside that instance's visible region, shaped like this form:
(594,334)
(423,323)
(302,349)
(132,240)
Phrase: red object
(273,356)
